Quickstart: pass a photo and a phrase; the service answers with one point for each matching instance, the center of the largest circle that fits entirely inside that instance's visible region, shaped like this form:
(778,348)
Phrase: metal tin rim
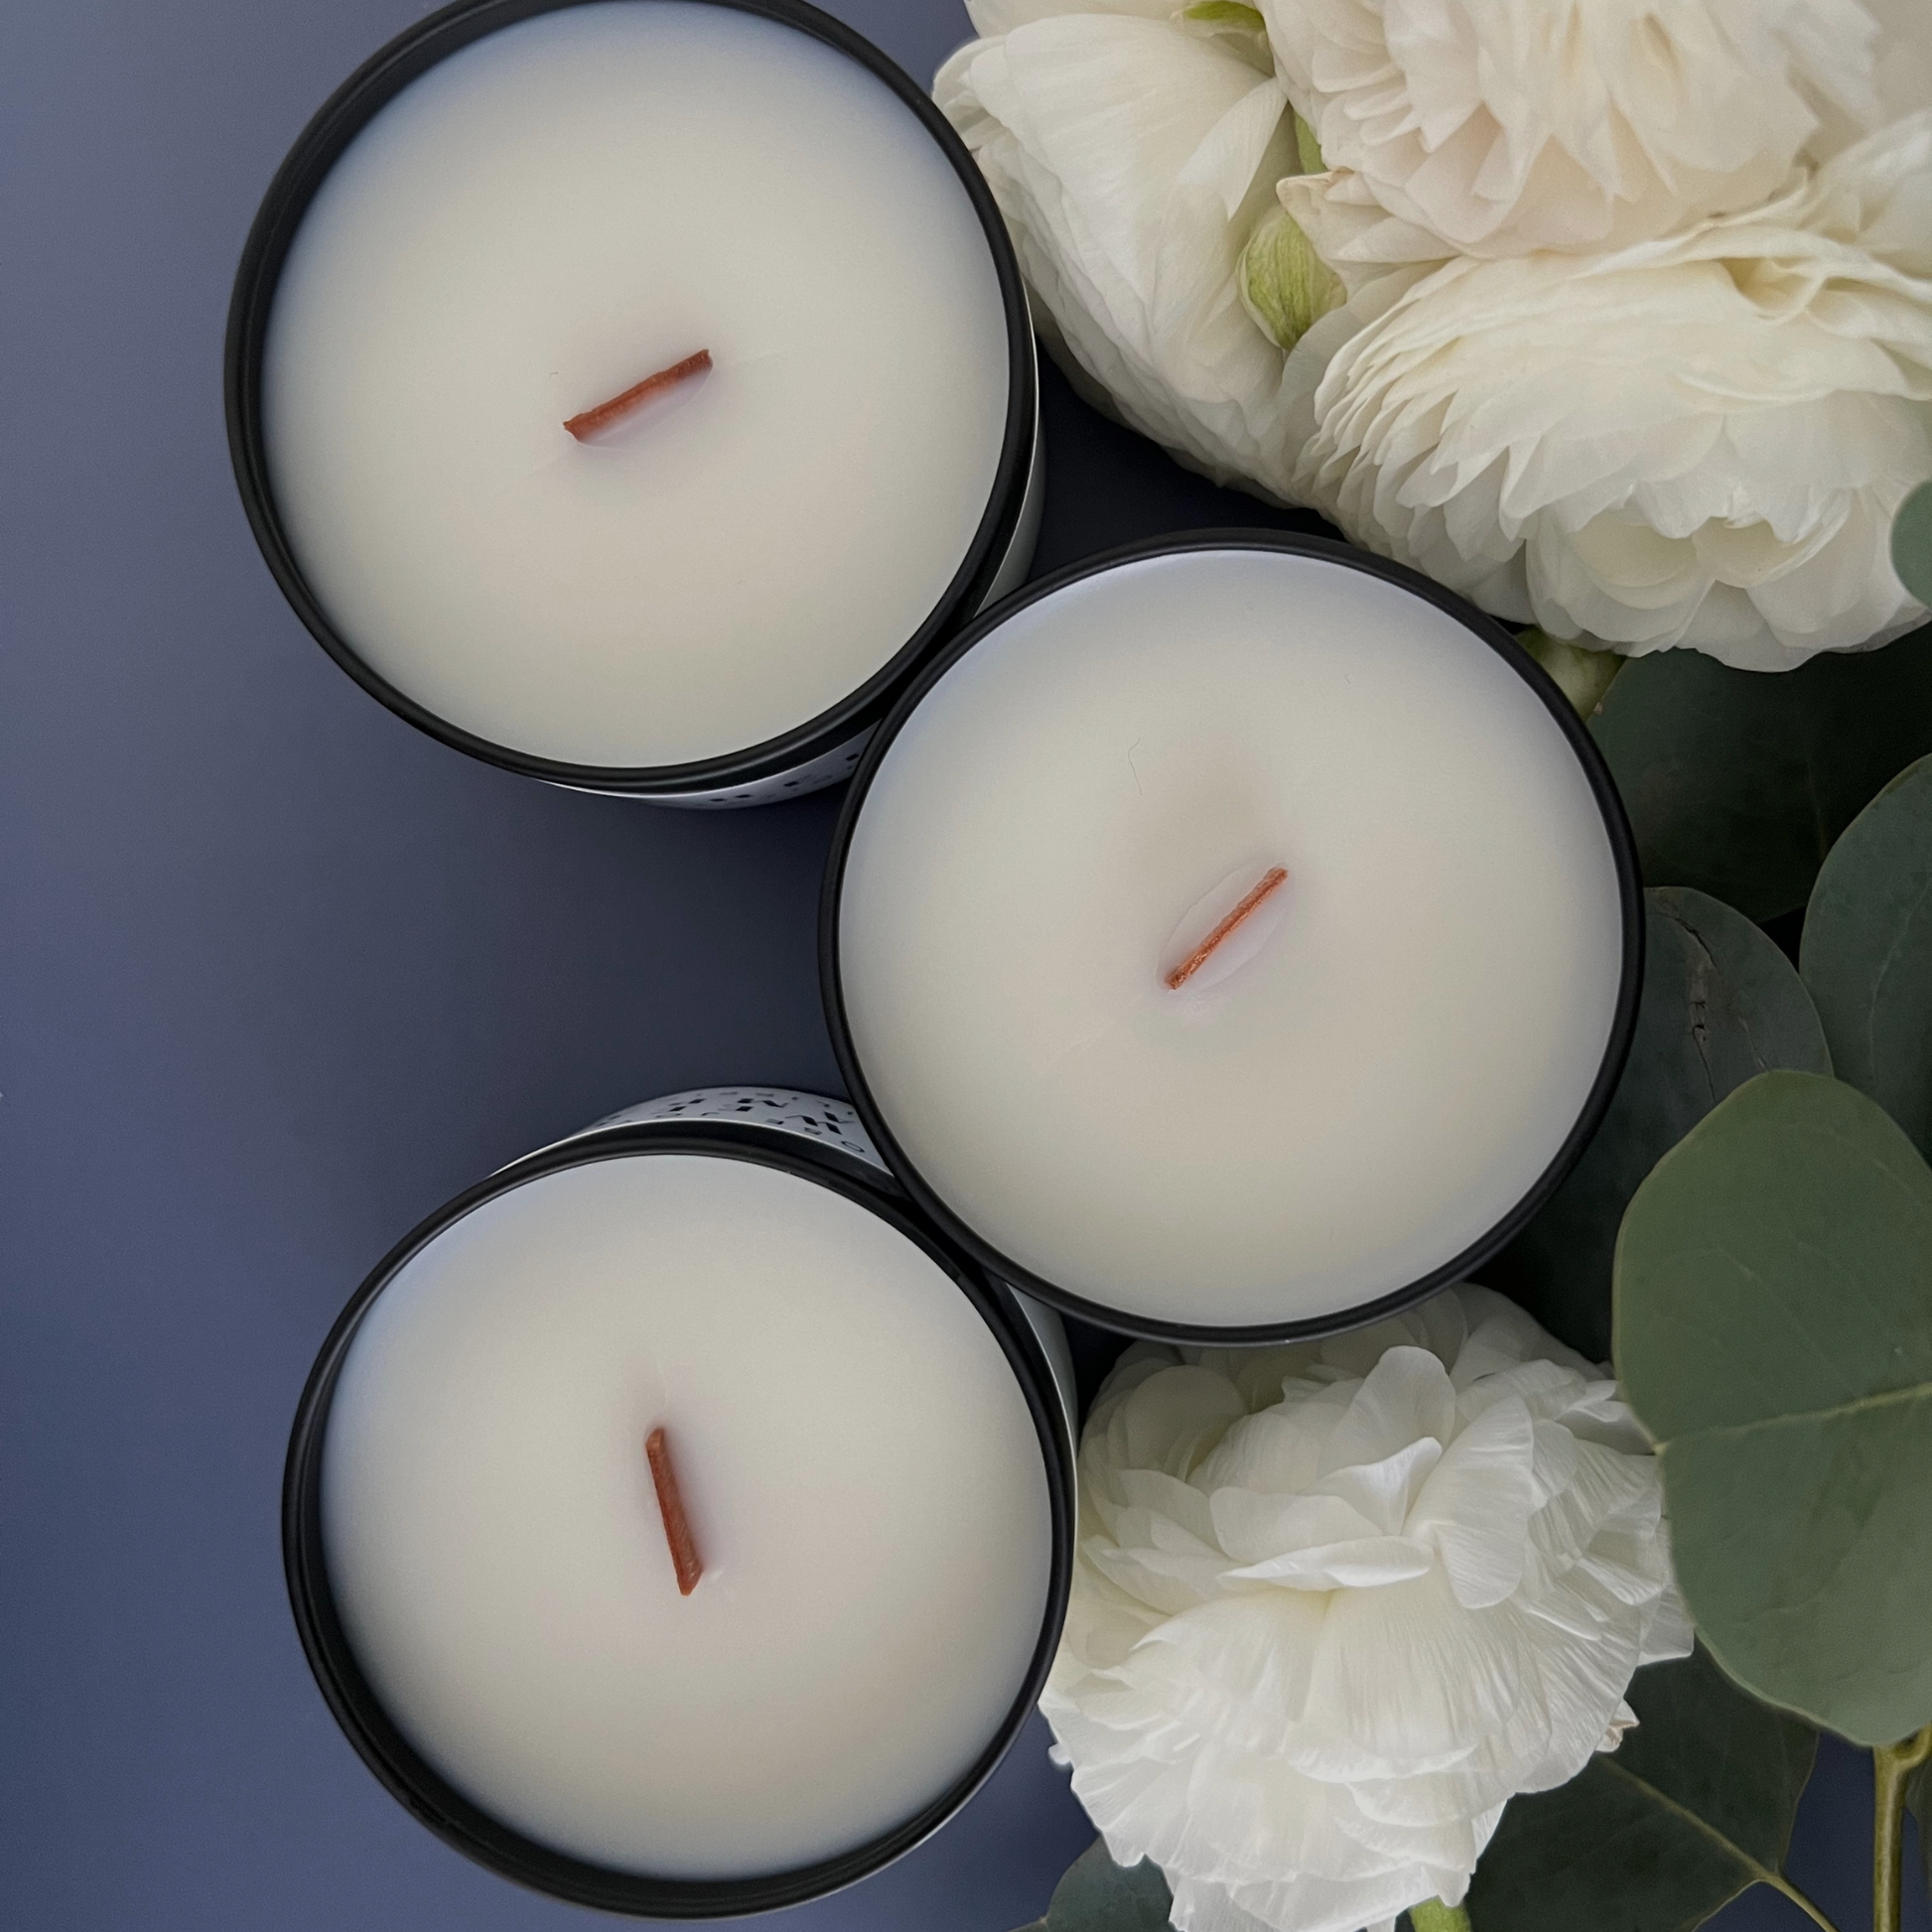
(423,1791)
(317,149)
(1459,1267)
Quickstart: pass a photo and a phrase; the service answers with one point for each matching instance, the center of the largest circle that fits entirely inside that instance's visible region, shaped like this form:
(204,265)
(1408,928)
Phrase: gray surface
(280,976)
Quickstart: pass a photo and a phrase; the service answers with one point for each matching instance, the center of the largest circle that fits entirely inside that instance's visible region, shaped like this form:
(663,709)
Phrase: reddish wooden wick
(670,1506)
(1195,960)
(587,424)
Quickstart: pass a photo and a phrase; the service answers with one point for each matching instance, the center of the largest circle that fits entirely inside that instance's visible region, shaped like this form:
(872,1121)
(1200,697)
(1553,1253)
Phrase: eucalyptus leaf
(1720,1005)
(1868,951)
(1693,1807)
(1737,782)
(1773,1324)
(1911,543)
(1097,1895)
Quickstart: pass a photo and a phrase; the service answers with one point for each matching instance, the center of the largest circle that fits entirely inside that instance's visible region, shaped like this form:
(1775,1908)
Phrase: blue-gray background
(279,976)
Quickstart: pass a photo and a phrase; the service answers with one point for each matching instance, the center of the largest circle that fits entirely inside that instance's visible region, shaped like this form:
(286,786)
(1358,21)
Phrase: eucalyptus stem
(1434,1916)
(1891,1766)
(1803,1904)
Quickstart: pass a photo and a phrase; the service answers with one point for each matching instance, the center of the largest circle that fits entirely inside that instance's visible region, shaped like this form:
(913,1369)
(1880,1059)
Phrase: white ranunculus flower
(1335,1603)
(1134,153)
(1498,127)
(1700,440)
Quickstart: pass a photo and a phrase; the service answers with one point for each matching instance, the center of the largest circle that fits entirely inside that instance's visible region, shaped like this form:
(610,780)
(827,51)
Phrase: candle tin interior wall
(766,1130)
(1622,892)
(823,749)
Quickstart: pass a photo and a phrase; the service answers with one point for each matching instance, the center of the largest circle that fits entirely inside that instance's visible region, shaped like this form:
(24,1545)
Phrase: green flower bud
(1285,285)
(1225,13)
(1236,28)
(1433,1915)
(1582,673)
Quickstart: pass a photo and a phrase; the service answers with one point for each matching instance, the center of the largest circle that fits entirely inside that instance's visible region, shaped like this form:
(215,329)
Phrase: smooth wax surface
(1396,1061)
(533,226)
(861,1472)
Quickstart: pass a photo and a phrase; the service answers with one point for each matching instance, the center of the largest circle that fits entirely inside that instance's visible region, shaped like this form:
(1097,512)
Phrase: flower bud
(1285,285)
(1223,14)
(1581,667)
(1238,28)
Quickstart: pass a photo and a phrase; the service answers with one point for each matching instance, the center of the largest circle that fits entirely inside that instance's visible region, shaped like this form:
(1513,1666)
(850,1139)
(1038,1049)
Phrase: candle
(1239,937)
(677,1524)
(633,395)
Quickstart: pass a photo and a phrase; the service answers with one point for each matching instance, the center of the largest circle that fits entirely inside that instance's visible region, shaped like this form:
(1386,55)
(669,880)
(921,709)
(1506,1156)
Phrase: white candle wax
(863,1476)
(537,223)
(1411,1023)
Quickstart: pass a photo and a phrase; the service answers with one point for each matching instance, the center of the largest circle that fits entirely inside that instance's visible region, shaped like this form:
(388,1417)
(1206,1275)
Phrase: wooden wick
(1195,960)
(587,424)
(670,1506)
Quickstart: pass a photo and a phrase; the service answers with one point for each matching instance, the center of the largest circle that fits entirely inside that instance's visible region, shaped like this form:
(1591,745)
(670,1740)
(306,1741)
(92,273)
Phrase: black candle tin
(821,751)
(754,1132)
(1459,1267)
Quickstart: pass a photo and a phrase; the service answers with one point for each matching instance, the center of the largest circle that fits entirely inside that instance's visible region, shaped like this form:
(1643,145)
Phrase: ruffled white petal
(1337,1604)
(1133,160)
(1700,440)
(1633,343)
(1501,128)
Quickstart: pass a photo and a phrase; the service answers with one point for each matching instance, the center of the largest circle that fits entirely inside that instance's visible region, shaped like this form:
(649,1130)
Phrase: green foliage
(1868,951)
(1911,543)
(1720,1005)
(1097,1895)
(1737,782)
(1693,1807)
(1773,1332)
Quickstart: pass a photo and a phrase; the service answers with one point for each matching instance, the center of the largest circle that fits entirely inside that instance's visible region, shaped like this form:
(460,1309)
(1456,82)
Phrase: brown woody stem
(592,421)
(670,1506)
